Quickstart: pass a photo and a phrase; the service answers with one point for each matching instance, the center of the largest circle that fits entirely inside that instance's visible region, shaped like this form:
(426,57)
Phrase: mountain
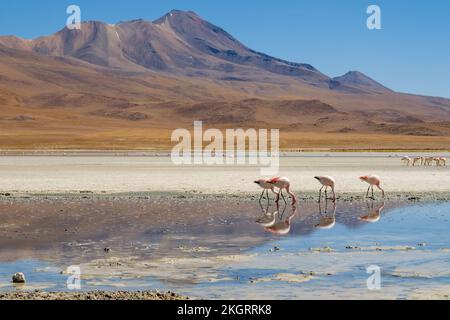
(179,43)
(110,85)
(360,80)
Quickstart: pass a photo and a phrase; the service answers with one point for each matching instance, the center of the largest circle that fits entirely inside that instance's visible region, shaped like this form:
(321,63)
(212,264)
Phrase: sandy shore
(96,295)
(133,174)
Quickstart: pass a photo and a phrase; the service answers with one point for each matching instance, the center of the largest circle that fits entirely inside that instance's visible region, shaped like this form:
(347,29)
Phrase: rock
(18,277)
(324,249)
(423,244)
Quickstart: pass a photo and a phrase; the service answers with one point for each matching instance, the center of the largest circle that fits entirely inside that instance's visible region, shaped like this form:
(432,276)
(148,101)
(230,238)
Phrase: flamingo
(283,183)
(372,180)
(327,182)
(417,159)
(437,161)
(266,186)
(406,160)
(428,161)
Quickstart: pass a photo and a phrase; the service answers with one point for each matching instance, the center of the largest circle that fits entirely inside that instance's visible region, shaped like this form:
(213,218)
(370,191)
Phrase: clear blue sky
(410,54)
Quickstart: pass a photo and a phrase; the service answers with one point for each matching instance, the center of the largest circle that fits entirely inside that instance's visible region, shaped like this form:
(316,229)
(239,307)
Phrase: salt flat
(142,173)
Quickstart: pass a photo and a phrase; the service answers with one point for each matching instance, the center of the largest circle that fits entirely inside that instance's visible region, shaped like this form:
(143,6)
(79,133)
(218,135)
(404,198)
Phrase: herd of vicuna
(424,161)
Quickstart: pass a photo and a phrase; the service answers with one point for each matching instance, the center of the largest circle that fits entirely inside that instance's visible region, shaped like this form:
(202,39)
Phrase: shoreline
(200,196)
(92,295)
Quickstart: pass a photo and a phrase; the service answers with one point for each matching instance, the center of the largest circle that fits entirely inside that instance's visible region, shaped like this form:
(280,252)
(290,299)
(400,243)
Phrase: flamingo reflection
(283,225)
(374,215)
(267,219)
(327,221)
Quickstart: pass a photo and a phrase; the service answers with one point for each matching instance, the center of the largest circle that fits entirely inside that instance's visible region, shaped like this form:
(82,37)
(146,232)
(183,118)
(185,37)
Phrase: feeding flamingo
(407,160)
(417,159)
(437,161)
(327,182)
(372,180)
(428,161)
(283,183)
(266,186)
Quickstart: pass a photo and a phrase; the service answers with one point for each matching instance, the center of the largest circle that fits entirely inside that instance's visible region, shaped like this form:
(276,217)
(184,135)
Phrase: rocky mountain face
(179,43)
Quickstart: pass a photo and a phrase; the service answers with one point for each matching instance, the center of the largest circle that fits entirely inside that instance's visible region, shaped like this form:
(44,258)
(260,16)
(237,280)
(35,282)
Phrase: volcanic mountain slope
(103,82)
(178,43)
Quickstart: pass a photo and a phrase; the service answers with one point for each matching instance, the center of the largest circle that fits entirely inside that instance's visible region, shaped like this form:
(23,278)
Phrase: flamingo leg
(294,198)
(367,193)
(320,194)
(282,195)
(262,194)
(334,195)
(373,197)
(382,191)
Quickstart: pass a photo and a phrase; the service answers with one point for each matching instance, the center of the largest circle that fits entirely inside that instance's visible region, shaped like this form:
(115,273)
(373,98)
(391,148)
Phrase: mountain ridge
(133,82)
(179,42)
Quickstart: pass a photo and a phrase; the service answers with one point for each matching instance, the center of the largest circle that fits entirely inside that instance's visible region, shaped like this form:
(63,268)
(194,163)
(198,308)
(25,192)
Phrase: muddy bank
(95,295)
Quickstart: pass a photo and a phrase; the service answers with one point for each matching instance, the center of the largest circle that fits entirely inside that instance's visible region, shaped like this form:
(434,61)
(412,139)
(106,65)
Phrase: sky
(409,54)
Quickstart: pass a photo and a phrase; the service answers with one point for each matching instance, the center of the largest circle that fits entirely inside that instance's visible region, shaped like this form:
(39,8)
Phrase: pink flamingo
(283,183)
(266,186)
(372,180)
(327,182)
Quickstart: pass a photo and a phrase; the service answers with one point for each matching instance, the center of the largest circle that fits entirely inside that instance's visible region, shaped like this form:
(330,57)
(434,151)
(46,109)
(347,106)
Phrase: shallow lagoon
(218,250)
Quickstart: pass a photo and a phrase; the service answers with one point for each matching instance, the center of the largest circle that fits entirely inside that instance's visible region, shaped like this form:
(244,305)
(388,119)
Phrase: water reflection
(374,214)
(267,219)
(327,220)
(276,222)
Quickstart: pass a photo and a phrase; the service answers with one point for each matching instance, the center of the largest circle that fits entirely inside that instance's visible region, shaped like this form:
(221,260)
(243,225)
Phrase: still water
(229,248)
